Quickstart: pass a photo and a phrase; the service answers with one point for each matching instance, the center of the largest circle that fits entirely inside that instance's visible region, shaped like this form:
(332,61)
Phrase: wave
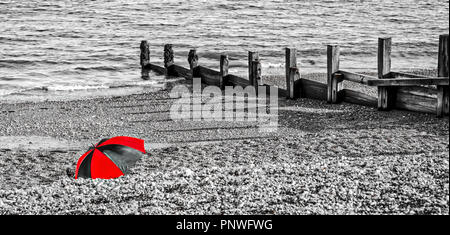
(98,68)
(73,87)
(14,62)
(12,78)
(66,87)
(17,39)
(18,91)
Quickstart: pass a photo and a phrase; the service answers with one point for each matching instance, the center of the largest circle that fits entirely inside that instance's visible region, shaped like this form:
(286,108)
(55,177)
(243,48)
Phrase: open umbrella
(110,158)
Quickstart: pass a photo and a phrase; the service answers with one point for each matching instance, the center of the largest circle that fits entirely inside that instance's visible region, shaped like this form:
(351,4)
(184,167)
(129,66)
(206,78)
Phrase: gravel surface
(324,159)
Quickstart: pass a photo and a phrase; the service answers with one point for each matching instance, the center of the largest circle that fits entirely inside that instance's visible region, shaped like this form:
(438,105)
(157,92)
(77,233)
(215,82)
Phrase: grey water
(76,45)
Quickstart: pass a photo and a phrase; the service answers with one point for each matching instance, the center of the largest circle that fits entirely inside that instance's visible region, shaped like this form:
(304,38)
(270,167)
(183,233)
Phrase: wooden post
(168,58)
(385,94)
(145,59)
(223,70)
(294,75)
(145,53)
(256,75)
(333,52)
(252,56)
(442,107)
(384,57)
(337,87)
(291,62)
(193,62)
(443,56)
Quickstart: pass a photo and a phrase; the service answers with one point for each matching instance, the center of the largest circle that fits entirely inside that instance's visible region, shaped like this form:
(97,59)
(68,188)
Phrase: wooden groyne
(395,90)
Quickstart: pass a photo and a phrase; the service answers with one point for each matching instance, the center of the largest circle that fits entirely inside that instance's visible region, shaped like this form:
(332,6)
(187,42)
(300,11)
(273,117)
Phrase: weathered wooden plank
(193,63)
(233,80)
(386,95)
(156,68)
(389,82)
(312,89)
(419,91)
(409,75)
(356,97)
(415,103)
(405,75)
(223,70)
(209,76)
(355,77)
(281,92)
(204,70)
(333,52)
(176,70)
(180,71)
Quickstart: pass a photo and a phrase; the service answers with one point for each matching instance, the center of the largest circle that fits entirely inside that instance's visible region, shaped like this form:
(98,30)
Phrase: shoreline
(324,159)
(159,82)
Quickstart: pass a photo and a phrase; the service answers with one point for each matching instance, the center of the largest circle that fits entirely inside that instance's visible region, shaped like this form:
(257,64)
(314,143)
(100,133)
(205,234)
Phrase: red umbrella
(110,158)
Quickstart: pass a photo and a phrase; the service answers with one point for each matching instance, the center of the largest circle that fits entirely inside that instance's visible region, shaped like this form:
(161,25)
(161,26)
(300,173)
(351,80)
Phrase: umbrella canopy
(110,158)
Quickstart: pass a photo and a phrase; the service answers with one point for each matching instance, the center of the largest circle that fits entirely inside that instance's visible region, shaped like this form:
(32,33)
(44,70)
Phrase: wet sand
(324,159)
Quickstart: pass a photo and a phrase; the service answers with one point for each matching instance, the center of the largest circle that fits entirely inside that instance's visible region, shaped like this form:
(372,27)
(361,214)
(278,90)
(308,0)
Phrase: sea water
(62,45)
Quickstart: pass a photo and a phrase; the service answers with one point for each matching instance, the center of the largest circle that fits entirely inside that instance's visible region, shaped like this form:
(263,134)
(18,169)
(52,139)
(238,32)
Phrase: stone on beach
(324,159)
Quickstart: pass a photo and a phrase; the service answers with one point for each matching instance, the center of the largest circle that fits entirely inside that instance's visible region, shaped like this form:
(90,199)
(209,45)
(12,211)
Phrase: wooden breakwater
(395,90)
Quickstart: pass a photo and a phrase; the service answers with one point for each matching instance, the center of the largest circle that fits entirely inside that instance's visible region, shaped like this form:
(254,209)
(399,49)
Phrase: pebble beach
(323,159)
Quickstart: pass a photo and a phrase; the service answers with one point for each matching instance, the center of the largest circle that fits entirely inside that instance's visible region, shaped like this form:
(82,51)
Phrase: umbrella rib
(110,158)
